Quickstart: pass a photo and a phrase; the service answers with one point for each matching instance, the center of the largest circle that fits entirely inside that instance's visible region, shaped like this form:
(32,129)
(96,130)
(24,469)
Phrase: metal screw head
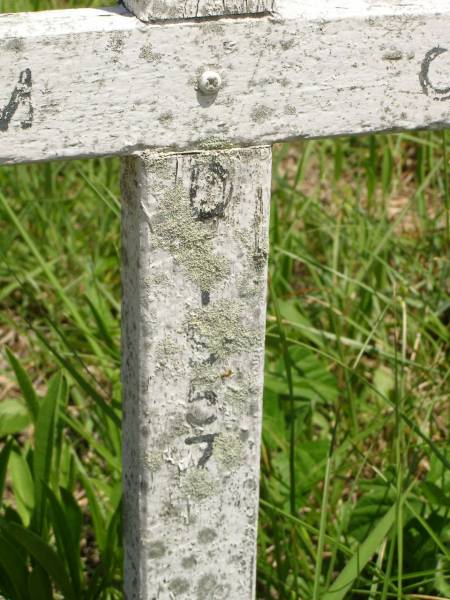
(209,83)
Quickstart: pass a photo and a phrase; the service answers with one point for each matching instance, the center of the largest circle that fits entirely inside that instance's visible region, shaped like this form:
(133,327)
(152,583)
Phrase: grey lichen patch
(187,240)
(169,511)
(237,397)
(207,375)
(199,484)
(166,118)
(179,586)
(189,562)
(156,550)
(166,350)
(260,113)
(206,536)
(154,460)
(15,45)
(157,279)
(229,450)
(178,427)
(214,29)
(393,54)
(169,10)
(206,587)
(290,110)
(256,254)
(162,169)
(149,55)
(116,45)
(288,43)
(259,257)
(215,142)
(221,328)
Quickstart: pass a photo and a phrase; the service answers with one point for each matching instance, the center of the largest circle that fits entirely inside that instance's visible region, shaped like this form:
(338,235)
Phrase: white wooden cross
(193,93)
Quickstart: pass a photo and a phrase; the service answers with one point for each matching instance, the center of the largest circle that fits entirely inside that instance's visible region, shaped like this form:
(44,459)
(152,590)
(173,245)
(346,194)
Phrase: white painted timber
(195,237)
(91,82)
(153,10)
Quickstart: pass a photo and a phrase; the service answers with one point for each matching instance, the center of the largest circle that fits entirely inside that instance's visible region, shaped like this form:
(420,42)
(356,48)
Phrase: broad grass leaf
(67,534)
(102,578)
(95,506)
(14,417)
(439,473)
(290,313)
(274,420)
(434,494)
(22,484)
(39,584)
(25,385)
(101,319)
(442,579)
(384,380)
(312,381)
(312,456)
(344,582)
(421,536)
(73,515)
(4,458)
(43,554)
(376,500)
(43,446)
(113,462)
(15,567)
(311,390)
(7,589)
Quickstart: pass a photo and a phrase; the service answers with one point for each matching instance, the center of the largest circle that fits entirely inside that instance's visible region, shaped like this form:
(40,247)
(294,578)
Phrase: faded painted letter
(20,97)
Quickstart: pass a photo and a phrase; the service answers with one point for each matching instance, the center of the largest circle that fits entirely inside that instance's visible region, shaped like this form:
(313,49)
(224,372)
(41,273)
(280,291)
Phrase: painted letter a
(21,97)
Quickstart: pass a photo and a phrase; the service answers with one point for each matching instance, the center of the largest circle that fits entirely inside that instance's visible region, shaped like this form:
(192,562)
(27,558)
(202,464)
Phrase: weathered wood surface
(153,10)
(195,236)
(88,80)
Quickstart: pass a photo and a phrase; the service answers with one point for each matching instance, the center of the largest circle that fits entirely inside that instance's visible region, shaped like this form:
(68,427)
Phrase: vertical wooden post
(195,237)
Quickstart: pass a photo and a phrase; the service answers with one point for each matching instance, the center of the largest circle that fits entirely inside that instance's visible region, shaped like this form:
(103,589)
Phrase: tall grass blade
(43,447)
(25,385)
(365,551)
(4,458)
(15,568)
(68,543)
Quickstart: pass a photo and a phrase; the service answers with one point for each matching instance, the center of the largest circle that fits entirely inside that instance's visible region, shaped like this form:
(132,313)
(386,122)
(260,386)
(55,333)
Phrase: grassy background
(355,484)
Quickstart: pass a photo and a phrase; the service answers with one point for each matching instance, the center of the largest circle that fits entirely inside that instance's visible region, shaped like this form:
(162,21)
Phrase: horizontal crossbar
(91,82)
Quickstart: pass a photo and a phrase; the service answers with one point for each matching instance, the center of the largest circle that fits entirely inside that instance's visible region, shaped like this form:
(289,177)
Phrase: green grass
(355,481)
